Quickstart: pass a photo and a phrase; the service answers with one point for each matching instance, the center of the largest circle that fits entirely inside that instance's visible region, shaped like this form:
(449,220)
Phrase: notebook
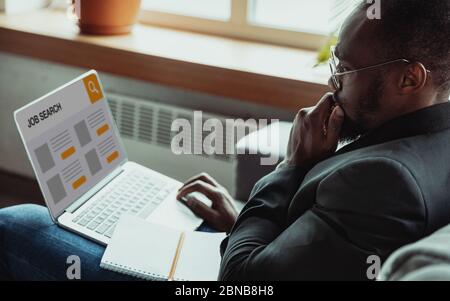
(155,252)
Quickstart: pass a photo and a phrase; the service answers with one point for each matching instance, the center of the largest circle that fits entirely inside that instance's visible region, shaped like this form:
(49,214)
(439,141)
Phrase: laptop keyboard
(135,194)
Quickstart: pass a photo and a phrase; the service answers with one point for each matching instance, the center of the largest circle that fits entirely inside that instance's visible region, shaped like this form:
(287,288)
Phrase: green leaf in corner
(324,53)
(340,10)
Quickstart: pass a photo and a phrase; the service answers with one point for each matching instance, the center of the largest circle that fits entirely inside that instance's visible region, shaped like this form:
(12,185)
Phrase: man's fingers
(324,98)
(335,124)
(199,186)
(203,177)
(201,209)
(324,105)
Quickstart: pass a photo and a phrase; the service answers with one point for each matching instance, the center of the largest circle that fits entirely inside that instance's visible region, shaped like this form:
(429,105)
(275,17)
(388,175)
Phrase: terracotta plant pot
(106,17)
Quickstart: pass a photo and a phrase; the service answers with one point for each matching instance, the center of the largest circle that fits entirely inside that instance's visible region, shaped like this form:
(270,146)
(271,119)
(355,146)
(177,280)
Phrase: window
(310,16)
(209,9)
(299,23)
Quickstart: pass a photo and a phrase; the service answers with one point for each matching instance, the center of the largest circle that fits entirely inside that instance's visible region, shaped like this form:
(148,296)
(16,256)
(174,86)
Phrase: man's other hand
(315,134)
(222,214)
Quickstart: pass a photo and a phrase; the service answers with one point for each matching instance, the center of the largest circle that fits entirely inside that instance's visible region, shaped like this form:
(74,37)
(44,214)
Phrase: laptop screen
(71,140)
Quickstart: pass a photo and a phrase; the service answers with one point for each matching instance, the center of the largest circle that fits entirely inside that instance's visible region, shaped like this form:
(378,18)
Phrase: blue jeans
(32,247)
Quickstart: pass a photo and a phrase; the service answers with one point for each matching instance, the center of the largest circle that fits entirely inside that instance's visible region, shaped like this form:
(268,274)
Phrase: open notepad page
(147,250)
(200,256)
(141,249)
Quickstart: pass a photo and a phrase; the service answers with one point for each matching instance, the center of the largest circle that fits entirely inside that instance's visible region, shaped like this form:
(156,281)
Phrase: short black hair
(417,30)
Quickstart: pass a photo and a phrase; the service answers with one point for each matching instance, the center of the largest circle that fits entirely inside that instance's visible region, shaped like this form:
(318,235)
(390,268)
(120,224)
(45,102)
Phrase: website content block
(71,140)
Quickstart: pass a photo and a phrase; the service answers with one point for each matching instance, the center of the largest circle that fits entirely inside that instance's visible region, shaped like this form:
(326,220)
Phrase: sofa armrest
(425,260)
(255,151)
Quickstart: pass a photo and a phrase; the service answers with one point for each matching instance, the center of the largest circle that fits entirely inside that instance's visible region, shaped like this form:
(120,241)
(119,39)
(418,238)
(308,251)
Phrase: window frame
(238,26)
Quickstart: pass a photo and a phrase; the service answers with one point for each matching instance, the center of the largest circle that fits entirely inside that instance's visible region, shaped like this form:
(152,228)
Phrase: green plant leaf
(340,11)
(324,53)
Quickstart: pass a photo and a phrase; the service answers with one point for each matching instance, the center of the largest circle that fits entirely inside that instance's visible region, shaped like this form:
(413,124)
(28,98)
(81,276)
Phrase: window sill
(260,73)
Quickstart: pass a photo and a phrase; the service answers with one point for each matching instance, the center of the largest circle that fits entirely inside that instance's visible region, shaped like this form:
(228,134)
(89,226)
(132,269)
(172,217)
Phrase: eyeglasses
(336,73)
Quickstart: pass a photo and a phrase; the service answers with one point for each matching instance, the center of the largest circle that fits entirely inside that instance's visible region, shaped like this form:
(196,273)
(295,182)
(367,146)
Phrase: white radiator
(145,127)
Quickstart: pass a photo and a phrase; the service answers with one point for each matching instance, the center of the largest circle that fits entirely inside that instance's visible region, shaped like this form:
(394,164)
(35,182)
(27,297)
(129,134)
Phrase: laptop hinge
(83,199)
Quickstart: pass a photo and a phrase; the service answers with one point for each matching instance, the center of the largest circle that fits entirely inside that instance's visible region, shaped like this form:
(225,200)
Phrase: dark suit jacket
(387,189)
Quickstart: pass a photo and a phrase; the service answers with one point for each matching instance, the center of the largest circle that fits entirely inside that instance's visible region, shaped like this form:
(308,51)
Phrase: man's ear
(413,78)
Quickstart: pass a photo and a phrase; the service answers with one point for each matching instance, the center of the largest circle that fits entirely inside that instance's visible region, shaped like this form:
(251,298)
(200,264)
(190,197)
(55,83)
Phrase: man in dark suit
(322,213)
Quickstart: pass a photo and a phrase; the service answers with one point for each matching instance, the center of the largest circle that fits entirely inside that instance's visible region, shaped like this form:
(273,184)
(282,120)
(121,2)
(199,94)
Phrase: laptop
(82,168)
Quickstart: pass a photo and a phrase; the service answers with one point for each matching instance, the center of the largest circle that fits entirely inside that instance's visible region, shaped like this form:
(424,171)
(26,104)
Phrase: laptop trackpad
(174,214)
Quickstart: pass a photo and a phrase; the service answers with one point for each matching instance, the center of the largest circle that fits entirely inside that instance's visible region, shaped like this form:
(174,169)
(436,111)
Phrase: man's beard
(352,129)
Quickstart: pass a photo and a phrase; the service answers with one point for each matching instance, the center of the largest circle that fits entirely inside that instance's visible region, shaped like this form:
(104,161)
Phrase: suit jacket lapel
(428,120)
(424,121)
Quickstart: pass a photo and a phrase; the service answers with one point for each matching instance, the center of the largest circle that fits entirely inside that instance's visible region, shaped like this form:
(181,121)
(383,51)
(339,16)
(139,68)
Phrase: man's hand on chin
(222,214)
(315,134)
(314,137)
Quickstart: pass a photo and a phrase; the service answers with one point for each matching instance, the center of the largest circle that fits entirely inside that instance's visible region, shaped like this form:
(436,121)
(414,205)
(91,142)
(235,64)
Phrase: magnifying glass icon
(92,87)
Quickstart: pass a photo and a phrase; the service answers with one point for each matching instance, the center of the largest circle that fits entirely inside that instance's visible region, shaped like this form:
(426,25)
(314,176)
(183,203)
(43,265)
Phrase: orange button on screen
(112,157)
(80,181)
(101,130)
(67,153)
(93,88)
